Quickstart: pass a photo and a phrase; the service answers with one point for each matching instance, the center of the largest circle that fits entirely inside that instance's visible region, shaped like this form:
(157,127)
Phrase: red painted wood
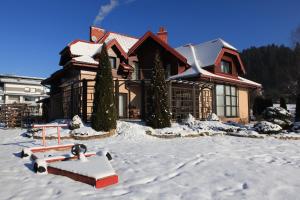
(104,182)
(100,183)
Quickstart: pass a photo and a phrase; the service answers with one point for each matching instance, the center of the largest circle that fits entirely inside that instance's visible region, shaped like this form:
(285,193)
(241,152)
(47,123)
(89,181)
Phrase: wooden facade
(72,87)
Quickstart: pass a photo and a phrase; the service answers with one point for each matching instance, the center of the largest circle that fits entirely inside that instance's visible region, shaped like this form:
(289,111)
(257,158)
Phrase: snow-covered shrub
(189,120)
(279,116)
(76,123)
(213,117)
(296,127)
(84,131)
(265,127)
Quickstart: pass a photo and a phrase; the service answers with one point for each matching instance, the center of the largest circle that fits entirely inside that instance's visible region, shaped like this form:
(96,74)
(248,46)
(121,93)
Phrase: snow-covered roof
(85,51)
(204,54)
(21,81)
(85,59)
(82,48)
(126,42)
(21,77)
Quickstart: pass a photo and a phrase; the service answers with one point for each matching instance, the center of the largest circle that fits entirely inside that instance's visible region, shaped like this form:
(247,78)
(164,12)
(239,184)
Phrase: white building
(22,89)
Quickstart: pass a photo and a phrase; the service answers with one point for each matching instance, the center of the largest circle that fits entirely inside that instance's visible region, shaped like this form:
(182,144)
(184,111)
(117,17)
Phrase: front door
(122,107)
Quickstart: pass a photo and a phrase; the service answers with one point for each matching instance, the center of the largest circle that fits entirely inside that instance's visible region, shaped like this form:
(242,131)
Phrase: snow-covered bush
(279,116)
(189,120)
(213,117)
(265,127)
(76,123)
(296,127)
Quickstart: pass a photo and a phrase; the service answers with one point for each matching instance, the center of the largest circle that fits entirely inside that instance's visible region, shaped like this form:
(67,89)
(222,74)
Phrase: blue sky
(34,31)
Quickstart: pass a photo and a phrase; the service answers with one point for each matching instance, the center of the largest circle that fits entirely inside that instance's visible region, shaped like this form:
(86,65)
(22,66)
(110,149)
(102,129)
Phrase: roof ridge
(122,34)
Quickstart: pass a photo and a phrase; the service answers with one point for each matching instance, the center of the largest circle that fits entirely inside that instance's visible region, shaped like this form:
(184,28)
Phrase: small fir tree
(283,103)
(104,111)
(258,106)
(159,114)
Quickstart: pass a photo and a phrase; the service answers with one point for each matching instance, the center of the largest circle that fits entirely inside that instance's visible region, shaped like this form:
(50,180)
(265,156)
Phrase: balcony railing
(143,74)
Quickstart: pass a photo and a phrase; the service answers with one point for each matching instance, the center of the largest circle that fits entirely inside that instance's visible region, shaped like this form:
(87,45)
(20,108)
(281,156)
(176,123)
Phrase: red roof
(149,34)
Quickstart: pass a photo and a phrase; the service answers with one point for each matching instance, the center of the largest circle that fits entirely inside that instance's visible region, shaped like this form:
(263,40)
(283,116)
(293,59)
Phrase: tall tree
(104,111)
(274,66)
(297,58)
(295,35)
(159,114)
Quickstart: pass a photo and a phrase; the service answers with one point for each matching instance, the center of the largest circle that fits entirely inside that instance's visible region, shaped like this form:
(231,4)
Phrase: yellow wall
(243,105)
(243,102)
(135,97)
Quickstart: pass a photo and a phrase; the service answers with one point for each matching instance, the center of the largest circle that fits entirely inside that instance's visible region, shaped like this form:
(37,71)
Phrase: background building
(22,89)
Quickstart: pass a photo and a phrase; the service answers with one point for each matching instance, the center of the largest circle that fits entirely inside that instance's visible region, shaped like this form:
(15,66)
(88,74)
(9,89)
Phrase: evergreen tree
(297,116)
(104,111)
(159,114)
(283,103)
(258,105)
(275,67)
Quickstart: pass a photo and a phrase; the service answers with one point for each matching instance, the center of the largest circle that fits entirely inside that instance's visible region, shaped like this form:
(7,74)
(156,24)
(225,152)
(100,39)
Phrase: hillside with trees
(277,68)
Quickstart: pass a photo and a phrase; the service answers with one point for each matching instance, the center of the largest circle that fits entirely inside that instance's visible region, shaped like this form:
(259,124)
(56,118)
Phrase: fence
(18,115)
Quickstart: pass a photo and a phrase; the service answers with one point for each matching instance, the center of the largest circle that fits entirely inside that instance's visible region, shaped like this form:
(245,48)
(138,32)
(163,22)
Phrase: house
(191,85)
(22,89)
(219,62)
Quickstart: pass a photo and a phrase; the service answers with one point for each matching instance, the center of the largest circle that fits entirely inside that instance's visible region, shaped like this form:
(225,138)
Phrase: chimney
(96,33)
(163,34)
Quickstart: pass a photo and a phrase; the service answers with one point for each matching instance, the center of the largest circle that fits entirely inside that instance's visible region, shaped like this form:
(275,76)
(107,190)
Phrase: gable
(150,36)
(233,57)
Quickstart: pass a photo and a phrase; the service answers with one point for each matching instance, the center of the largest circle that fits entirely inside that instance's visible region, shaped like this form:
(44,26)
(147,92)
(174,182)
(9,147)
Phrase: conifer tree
(159,114)
(297,116)
(283,103)
(297,57)
(104,111)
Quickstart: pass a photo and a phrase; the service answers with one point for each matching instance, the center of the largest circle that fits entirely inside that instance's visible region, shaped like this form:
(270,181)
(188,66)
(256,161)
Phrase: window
(14,98)
(226,67)
(27,98)
(32,90)
(135,74)
(113,62)
(26,89)
(226,100)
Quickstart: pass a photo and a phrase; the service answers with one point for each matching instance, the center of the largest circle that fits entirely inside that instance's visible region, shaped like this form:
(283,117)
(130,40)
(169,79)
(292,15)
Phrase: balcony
(146,74)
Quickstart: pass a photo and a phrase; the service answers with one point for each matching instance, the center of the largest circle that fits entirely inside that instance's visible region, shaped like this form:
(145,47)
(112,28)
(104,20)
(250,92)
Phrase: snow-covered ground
(218,167)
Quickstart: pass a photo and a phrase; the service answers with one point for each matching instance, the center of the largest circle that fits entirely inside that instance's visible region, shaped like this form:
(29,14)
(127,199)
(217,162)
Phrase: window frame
(228,101)
(224,71)
(114,65)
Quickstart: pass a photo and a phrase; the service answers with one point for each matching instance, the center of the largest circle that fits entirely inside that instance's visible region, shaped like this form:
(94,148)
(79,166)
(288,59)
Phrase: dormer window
(113,62)
(226,67)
